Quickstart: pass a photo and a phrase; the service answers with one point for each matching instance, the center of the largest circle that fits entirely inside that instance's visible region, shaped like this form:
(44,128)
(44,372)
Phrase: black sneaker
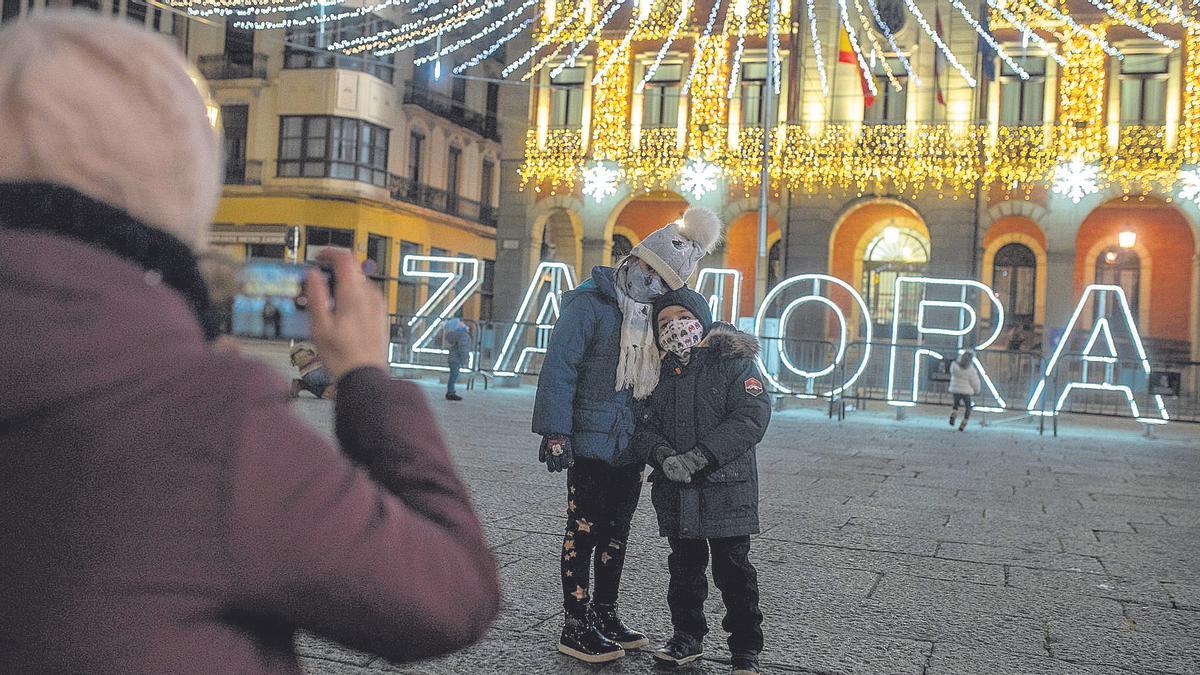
(581,640)
(680,649)
(952,416)
(453,397)
(605,618)
(745,664)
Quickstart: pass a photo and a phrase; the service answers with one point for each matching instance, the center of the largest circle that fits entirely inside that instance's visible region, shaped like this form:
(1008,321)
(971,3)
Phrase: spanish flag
(846,55)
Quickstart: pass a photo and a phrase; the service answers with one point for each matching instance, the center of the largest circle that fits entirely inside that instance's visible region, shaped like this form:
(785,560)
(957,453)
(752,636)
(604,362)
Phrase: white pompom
(702,226)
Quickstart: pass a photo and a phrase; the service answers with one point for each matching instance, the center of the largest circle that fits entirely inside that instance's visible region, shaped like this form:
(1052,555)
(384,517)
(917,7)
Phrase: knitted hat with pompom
(674,249)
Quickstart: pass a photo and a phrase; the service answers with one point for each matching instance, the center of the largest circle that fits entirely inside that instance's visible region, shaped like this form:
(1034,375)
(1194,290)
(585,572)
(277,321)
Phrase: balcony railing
(221,67)
(446,107)
(408,190)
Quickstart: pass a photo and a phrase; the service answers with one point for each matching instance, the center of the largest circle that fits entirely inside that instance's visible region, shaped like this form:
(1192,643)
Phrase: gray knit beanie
(675,249)
(109,110)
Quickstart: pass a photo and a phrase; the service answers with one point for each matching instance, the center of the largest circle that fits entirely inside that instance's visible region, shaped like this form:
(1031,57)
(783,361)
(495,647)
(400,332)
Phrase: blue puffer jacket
(576,393)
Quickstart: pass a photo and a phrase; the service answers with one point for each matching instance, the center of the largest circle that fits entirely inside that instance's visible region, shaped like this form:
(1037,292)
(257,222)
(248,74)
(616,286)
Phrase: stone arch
(618,217)
(1016,207)
(561,214)
(737,208)
(1016,229)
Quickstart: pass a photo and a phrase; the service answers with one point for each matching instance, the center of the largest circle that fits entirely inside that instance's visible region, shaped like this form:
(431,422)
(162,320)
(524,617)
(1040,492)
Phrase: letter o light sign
(797,303)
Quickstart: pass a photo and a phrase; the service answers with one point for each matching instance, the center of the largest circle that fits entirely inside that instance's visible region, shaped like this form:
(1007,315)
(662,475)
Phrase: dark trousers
(967,405)
(601,499)
(455,363)
(733,574)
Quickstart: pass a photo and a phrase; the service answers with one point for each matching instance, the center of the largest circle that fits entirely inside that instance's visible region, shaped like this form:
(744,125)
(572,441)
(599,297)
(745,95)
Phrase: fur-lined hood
(729,342)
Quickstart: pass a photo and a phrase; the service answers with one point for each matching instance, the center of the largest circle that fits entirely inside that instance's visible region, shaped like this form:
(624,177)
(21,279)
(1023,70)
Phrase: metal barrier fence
(861,372)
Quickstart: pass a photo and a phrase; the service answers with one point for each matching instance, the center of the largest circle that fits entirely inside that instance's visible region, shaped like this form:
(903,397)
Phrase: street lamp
(1127,239)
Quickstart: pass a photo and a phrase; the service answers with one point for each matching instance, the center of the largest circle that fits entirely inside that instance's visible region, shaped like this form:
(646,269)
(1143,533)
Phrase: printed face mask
(639,285)
(680,335)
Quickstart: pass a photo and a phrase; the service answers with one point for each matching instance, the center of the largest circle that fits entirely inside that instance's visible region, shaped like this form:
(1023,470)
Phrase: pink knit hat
(110,110)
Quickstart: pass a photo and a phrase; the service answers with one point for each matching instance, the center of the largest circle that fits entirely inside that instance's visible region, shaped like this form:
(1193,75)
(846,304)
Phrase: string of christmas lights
(317,19)
(491,28)
(400,32)
(591,36)
(778,70)
(483,56)
(622,48)
(891,40)
(1028,32)
(266,7)
(816,43)
(876,48)
(987,37)
(1124,18)
(937,40)
(862,62)
(1079,28)
(684,7)
(708,27)
(1174,13)
(735,73)
(408,41)
(547,39)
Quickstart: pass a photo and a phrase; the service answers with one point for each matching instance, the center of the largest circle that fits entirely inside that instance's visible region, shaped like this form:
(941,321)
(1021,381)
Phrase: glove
(681,468)
(556,453)
(660,455)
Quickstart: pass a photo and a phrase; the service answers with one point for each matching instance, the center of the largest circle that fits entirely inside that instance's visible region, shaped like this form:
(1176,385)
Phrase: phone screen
(272,302)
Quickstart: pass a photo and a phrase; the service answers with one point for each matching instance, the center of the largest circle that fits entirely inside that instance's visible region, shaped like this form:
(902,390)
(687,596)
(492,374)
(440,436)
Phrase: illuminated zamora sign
(945,319)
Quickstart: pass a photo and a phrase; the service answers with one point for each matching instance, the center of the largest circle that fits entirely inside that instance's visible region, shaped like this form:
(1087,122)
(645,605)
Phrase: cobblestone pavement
(887,547)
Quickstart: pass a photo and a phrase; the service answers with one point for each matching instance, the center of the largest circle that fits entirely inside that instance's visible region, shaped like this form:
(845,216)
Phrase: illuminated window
(1119,267)
(566,98)
(1022,101)
(890,106)
(754,87)
(896,252)
(660,102)
(1143,83)
(1014,276)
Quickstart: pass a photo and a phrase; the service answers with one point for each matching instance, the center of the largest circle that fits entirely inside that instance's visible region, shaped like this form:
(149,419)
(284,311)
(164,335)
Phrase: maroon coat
(165,512)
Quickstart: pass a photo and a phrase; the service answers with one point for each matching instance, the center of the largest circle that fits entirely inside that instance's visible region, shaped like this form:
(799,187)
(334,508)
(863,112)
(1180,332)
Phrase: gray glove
(681,468)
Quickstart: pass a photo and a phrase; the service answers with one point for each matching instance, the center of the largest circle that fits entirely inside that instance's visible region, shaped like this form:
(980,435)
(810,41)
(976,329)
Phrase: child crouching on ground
(699,430)
(314,378)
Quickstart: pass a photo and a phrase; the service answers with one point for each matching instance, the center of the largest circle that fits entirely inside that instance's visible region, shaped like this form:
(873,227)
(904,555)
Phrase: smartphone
(272,301)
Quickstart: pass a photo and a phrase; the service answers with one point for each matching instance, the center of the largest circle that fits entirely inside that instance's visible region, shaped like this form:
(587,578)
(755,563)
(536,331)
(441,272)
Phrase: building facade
(1025,183)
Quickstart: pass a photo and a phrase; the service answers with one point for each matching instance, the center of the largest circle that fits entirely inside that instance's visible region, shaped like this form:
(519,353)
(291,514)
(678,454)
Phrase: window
(1119,267)
(621,247)
(566,98)
(332,147)
(1022,101)
(438,266)
(486,177)
(377,255)
(239,42)
(307,46)
(1144,89)
(891,106)
(896,252)
(660,100)
(9,9)
(235,120)
(87,4)
(266,251)
(492,107)
(753,83)
(487,291)
(453,164)
(416,145)
(458,91)
(774,265)
(406,293)
(1014,275)
(316,238)
(135,11)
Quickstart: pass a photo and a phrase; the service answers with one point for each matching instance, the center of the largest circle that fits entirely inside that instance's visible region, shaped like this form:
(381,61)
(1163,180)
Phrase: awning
(224,233)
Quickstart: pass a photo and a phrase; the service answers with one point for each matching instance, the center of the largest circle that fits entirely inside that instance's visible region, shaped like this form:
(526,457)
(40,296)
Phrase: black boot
(680,649)
(745,663)
(610,626)
(582,640)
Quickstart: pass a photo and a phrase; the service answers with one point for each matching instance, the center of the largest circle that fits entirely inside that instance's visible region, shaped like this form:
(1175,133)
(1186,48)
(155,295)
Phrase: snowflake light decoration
(1076,179)
(600,182)
(699,178)
(1189,185)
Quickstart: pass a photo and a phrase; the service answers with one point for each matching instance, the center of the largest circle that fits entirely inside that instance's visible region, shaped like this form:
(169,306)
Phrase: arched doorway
(741,253)
(1014,278)
(560,241)
(897,251)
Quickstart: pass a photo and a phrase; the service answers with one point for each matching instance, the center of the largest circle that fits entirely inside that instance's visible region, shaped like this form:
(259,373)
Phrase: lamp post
(764,187)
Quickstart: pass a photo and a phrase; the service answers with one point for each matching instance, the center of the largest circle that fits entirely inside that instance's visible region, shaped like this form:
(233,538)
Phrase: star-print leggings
(601,499)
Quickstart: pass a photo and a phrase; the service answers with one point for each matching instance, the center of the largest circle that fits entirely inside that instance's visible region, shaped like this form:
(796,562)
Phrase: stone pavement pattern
(886,548)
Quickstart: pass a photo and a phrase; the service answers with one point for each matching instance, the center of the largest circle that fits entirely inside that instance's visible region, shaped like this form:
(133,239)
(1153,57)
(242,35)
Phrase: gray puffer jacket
(717,403)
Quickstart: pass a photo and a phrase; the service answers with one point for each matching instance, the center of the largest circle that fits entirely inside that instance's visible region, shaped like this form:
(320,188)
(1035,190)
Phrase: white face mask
(679,336)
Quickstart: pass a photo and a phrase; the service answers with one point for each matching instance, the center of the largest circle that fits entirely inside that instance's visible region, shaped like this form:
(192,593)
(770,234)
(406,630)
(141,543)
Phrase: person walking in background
(964,383)
(699,431)
(456,337)
(164,509)
(602,356)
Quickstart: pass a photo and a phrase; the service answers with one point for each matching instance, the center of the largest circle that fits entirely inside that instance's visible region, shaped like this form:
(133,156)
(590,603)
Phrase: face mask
(680,335)
(640,285)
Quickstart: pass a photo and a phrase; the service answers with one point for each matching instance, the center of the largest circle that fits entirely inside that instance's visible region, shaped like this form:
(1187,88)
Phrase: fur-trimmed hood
(729,342)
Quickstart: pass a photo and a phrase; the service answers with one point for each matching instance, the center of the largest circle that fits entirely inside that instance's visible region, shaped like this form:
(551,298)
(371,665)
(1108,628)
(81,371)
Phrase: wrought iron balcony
(408,190)
(455,111)
(222,67)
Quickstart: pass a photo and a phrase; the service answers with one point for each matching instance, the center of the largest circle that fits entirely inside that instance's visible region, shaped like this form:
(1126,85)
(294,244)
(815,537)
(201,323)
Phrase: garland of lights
(313,19)
(706,136)
(937,40)
(265,7)
(987,37)
(1190,124)
(862,62)
(591,36)
(491,28)
(624,46)
(1079,28)
(1081,97)
(553,163)
(541,44)
(1134,23)
(1173,14)
(610,102)
(816,43)
(891,40)
(708,28)
(666,46)
(483,56)
(778,69)
(735,73)
(401,43)
(1028,32)
(876,48)
(407,31)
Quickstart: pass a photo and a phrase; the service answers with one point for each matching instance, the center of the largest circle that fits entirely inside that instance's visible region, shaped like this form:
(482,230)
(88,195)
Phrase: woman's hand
(353,333)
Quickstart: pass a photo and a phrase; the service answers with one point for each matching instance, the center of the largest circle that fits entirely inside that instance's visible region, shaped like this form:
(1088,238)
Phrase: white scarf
(640,360)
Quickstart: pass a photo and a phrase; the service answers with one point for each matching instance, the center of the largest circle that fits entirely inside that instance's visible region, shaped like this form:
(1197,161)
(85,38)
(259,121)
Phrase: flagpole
(764,187)
(980,119)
